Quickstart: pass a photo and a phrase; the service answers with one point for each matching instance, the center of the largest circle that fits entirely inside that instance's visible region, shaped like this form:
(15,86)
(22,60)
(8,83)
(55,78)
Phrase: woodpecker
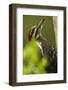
(45,48)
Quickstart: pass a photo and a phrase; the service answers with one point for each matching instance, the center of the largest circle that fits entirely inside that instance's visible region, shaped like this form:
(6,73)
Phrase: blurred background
(32,64)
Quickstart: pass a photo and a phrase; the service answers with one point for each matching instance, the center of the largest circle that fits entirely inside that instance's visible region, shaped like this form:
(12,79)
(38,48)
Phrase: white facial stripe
(34,32)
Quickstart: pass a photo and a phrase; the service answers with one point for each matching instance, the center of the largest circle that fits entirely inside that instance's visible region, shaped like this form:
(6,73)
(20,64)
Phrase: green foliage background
(31,61)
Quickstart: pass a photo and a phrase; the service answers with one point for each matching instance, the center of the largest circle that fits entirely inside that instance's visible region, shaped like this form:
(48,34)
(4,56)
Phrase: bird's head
(35,30)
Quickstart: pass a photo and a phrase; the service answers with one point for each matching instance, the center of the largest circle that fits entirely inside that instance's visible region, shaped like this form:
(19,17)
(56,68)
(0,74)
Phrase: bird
(45,48)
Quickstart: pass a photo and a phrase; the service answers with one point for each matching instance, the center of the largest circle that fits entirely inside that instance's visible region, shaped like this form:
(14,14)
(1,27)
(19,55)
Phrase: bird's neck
(40,46)
(44,44)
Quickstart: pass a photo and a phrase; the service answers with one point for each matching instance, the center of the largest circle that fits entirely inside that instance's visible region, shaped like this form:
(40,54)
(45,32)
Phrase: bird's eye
(30,34)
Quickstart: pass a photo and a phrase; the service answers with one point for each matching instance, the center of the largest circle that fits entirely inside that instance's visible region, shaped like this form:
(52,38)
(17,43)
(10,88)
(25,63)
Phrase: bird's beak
(40,23)
(39,27)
